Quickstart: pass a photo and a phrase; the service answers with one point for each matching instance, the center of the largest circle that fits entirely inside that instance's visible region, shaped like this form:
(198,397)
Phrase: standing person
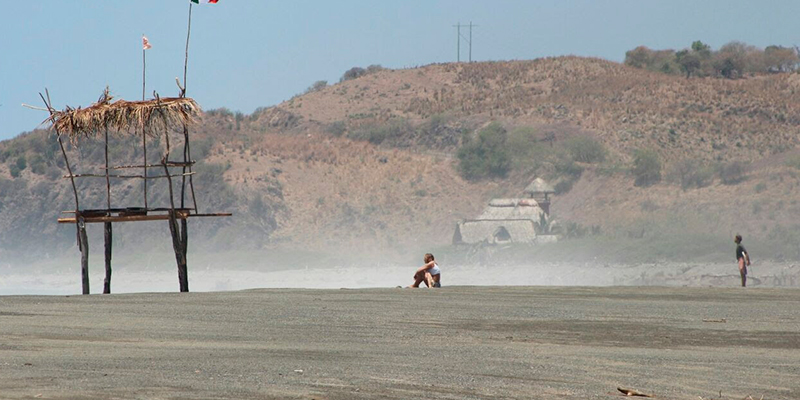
(429,273)
(743,258)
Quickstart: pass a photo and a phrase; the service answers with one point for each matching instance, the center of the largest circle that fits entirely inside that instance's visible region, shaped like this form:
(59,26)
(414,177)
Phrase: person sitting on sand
(743,258)
(428,273)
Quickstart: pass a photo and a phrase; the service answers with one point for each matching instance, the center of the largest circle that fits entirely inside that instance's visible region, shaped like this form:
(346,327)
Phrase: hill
(370,165)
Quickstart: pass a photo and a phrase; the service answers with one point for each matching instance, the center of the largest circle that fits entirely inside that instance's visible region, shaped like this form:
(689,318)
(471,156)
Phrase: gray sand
(453,343)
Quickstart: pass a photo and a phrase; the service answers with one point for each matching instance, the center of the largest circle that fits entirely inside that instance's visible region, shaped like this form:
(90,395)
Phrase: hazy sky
(252,53)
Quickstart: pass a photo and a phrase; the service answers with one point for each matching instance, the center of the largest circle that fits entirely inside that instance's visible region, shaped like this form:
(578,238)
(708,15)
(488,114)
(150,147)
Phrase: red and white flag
(146,43)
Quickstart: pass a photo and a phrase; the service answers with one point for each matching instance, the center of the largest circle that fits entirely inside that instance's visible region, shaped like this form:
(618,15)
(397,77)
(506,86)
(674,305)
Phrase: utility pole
(459,38)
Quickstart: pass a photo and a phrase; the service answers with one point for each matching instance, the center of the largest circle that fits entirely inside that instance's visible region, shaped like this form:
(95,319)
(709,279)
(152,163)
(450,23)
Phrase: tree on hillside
(486,155)
(689,62)
(353,73)
(317,86)
(638,57)
(703,50)
(780,59)
(735,58)
(646,167)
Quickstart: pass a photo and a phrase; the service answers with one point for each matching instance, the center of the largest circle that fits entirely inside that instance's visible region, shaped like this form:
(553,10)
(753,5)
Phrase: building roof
(511,209)
(539,185)
(495,231)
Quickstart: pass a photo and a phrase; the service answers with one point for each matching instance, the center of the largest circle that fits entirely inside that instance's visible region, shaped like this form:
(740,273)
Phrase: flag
(145,43)
(206,1)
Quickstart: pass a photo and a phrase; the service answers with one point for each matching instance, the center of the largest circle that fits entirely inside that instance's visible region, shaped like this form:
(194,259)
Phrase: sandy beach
(453,343)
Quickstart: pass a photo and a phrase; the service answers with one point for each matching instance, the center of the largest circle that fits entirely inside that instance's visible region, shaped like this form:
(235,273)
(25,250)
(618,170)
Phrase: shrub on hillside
(691,173)
(337,128)
(357,72)
(732,60)
(486,155)
(353,73)
(377,134)
(733,172)
(646,167)
(586,150)
(317,86)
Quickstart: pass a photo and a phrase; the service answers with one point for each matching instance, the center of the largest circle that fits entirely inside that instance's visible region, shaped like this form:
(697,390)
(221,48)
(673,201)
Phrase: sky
(246,54)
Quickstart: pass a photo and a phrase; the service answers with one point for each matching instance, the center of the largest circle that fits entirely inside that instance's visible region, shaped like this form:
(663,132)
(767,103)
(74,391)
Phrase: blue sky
(247,54)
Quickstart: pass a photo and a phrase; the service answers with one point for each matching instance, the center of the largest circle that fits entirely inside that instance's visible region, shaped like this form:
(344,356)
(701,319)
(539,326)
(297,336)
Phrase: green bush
(586,150)
(38,165)
(14,170)
(486,155)
(317,86)
(691,174)
(646,167)
(337,128)
(761,187)
(21,163)
(733,173)
(564,186)
(377,134)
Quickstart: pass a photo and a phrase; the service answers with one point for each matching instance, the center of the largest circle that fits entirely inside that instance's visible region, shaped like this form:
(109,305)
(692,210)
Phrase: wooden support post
(180,254)
(175,229)
(84,245)
(108,241)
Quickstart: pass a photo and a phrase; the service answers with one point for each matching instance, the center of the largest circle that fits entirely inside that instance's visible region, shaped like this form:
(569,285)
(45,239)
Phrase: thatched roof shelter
(495,231)
(512,209)
(539,186)
(155,116)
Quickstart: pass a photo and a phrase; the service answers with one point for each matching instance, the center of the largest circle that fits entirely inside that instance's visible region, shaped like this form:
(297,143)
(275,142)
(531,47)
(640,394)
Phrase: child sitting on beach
(428,273)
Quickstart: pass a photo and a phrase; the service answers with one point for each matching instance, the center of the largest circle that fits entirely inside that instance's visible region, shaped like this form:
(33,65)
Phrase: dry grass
(625,107)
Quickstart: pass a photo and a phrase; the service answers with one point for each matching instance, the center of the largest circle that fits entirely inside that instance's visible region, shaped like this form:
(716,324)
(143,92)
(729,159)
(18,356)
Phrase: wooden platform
(133,215)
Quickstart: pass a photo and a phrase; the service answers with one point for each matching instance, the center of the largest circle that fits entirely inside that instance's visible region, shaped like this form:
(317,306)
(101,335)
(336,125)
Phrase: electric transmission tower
(461,38)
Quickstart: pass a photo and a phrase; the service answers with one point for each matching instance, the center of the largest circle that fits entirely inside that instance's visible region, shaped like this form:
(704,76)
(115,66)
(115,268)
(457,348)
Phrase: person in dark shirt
(743,258)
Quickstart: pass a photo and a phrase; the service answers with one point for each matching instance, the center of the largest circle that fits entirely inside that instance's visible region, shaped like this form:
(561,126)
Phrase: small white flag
(146,43)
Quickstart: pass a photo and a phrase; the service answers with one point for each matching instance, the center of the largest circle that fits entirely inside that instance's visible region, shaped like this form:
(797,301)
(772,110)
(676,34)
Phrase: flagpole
(186,58)
(187,152)
(144,135)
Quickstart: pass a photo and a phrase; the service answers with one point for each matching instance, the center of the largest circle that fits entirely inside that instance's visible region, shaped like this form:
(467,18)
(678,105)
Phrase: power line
(460,38)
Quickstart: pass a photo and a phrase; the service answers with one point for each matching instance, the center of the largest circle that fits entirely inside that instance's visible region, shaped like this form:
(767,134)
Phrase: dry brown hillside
(303,174)
(627,108)
(340,190)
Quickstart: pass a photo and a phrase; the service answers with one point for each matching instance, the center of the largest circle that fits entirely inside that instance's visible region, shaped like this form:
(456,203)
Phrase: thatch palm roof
(512,209)
(155,116)
(495,231)
(538,186)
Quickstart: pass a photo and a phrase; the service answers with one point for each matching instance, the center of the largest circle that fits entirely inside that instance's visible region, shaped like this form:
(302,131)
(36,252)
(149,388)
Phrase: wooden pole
(108,241)
(186,57)
(84,244)
(175,229)
(80,226)
(187,153)
(107,230)
(144,135)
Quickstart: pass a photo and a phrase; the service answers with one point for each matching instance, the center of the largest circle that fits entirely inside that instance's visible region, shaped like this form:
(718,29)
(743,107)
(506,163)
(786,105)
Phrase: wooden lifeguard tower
(156,118)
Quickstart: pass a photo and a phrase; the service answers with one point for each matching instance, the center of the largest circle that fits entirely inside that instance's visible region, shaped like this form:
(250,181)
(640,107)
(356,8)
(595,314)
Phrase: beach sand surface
(450,343)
